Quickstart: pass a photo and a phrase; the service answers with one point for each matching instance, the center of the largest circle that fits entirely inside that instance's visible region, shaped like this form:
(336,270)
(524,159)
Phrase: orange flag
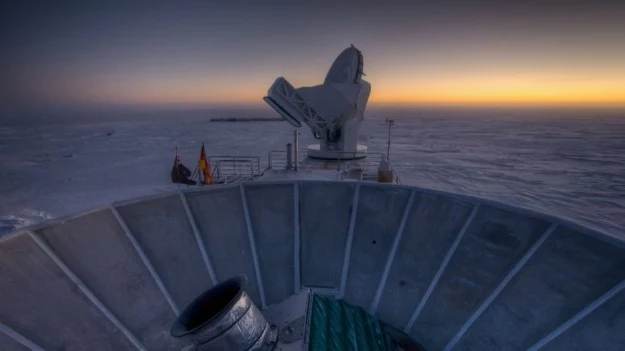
(205,167)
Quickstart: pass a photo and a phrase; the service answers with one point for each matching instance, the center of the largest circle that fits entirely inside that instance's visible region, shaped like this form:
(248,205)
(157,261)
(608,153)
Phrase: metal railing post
(289,153)
(296,147)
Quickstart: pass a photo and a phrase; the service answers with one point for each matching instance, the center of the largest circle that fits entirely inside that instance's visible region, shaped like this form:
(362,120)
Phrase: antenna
(390,122)
(332,110)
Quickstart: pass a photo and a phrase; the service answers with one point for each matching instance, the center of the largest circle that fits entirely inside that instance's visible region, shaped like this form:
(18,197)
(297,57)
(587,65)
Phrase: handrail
(220,160)
(279,160)
(369,165)
(228,169)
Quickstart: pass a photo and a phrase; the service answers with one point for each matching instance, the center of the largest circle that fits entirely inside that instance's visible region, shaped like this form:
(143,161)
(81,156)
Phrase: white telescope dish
(333,110)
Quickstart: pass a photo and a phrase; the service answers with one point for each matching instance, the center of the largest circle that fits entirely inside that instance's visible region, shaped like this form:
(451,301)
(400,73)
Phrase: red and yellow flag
(205,167)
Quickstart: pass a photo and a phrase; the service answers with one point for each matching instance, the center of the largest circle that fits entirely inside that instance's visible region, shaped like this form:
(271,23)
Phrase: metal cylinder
(224,318)
(289,156)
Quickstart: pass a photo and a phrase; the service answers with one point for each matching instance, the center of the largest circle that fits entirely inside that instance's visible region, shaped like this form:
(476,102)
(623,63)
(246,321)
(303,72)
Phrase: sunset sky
(547,52)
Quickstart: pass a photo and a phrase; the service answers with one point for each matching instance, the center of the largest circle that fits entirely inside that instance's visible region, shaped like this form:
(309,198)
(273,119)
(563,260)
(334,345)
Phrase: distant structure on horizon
(244,119)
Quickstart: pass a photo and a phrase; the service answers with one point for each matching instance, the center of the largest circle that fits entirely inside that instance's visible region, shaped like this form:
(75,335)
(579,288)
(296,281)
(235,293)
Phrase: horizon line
(371,105)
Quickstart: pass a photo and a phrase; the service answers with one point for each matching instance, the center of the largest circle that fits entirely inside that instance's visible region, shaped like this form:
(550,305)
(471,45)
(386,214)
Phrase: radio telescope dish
(333,110)
(347,68)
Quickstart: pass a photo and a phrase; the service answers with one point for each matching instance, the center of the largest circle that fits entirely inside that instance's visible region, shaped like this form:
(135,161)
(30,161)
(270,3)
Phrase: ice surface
(567,163)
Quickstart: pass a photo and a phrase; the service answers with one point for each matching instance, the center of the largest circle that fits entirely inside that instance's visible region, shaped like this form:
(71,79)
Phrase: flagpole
(193,176)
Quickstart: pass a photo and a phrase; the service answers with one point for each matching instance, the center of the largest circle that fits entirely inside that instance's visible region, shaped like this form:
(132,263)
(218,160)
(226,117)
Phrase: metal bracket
(293,331)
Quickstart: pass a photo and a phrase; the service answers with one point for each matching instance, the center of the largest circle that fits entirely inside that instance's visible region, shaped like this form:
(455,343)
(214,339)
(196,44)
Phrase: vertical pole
(390,122)
(296,149)
(289,156)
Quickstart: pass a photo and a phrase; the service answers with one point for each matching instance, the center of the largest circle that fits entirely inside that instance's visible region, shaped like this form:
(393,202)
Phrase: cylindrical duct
(224,318)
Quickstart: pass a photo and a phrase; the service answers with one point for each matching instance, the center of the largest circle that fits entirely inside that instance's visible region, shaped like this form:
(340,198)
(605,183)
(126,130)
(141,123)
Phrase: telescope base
(314,151)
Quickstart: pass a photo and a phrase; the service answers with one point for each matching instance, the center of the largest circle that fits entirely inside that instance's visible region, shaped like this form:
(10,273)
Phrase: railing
(278,159)
(367,168)
(363,169)
(229,169)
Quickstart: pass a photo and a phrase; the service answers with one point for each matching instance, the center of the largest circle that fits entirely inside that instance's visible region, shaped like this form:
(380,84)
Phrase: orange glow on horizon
(391,90)
(503,91)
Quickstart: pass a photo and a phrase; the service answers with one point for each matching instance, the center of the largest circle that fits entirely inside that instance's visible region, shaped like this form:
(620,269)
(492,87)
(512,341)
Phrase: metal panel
(220,218)
(432,227)
(86,286)
(97,250)
(253,250)
(603,329)
(146,261)
(380,212)
(391,255)
(520,264)
(11,340)
(198,240)
(494,242)
(348,243)
(325,210)
(41,303)
(158,226)
(271,214)
(567,273)
(297,271)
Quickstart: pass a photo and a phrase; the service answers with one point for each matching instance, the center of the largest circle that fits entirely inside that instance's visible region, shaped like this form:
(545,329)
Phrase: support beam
(85,290)
(19,338)
(441,269)
(513,272)
(578,316)
(348,244)
(198,239)
(391,256)
(296,240)
(145,260)
(250,233)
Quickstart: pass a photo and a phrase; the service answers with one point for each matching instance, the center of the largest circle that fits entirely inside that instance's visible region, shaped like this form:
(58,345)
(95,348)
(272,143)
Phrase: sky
(81,53)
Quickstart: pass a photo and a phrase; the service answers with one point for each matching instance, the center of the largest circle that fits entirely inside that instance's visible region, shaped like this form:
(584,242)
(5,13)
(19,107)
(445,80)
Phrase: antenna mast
(390,122)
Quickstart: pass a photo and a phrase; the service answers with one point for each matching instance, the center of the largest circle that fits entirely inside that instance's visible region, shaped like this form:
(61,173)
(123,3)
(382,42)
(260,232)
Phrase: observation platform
(375,167)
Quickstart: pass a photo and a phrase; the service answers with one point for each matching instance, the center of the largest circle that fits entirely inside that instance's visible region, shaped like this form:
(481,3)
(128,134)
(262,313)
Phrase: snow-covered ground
(571,164)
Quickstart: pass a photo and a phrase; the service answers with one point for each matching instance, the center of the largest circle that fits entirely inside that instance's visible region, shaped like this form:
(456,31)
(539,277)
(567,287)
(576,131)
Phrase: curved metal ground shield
(453,272)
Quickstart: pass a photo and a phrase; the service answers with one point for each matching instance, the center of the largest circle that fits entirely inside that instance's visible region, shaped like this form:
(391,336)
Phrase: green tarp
(338,326)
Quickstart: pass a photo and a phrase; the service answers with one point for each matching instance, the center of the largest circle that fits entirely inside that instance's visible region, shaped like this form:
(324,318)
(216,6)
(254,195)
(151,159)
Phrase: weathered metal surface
(566,273)
(324,220)
(601,330)
(560,298)
(284,314)
(97,250)
(294,331)
(224,318)
(42,304)
(495,240)
(379,215)
(430,230)
(159,225)
(13,342)
(271,214)
(221,221)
